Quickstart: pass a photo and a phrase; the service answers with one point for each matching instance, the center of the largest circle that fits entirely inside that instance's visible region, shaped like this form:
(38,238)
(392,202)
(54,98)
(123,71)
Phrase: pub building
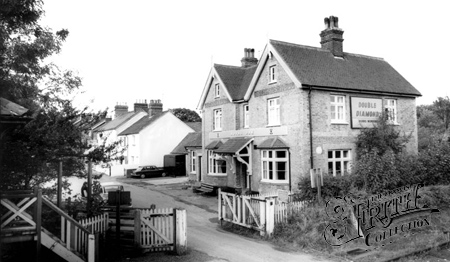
(267,123)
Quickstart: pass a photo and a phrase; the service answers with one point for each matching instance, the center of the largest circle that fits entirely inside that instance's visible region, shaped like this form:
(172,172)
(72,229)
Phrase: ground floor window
(275,165)
(339,162)
(215,164)
(193,161)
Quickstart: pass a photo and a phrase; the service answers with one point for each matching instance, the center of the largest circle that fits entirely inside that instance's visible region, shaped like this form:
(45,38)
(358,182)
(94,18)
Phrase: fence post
(91,248)
(38,219)
(137,227)
(219,207)
(180,240)
(270,216)
(262,215)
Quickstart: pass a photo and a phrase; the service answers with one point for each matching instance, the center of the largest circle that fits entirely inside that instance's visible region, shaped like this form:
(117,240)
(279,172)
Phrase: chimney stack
(120,109)
(155,107)
(331,37)
(249,58)
(141,105)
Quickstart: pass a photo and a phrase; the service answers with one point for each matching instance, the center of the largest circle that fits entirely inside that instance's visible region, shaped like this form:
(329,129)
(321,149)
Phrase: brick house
(268,122)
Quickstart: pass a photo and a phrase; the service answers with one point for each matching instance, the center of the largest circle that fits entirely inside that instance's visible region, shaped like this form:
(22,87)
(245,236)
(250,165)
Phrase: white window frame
(217,119)
(273,111)
(272,74)
(343,157)
(390,106)
(338,115)
(213,164)
(246,116)
(216,90)
(193,161)
(269,158)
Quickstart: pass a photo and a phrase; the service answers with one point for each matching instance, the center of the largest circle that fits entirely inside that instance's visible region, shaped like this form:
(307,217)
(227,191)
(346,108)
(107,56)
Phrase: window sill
(217,130)
(217,174)
(273,182)
(339,123)
(273,125)
(272,82)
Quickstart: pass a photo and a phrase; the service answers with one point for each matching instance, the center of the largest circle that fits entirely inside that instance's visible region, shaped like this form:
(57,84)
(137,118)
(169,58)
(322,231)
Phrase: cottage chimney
(331,37)
(155,107)
(141,105)
(249,58)
(120,109)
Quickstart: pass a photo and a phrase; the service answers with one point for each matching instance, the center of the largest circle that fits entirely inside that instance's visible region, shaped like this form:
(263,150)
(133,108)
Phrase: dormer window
(272,74)
(216,91)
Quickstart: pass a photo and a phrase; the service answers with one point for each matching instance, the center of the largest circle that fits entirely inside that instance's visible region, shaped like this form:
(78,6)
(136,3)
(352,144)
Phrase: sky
(128,51)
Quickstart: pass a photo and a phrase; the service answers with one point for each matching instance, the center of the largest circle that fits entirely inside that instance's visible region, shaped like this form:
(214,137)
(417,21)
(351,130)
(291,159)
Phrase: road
(204,233)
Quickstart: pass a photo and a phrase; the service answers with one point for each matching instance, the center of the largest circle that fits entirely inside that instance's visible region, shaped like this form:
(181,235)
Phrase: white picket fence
(97,224)
(284,210)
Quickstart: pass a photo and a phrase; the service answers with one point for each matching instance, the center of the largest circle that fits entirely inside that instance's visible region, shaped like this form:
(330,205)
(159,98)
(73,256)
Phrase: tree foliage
(186,115)
(30,154)
(441,108)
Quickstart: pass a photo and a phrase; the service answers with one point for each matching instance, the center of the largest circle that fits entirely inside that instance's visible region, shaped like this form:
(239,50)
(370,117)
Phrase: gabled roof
(141,124)
(197,126)
(193,139)
(319,68)
(234,80)
(233,145)
(273,143)
(118,121)
(8,108)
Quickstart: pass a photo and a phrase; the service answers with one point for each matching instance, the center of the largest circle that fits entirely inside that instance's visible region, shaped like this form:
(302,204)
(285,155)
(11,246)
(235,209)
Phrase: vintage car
(107,187)
(148,171)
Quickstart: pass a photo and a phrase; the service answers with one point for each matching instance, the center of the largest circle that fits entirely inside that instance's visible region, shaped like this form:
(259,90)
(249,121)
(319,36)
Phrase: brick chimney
(249,58)
(155,107)
(120,109)
(331,37)
(141,105)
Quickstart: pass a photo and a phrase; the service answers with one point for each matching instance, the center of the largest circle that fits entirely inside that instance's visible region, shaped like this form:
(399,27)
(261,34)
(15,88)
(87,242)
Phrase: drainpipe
(310,129)
(290,176)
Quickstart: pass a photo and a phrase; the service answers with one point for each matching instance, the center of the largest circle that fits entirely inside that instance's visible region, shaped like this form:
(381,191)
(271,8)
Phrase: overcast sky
(130,50)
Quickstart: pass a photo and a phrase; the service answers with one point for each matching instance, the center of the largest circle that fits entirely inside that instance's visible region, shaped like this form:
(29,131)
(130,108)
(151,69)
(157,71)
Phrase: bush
(332,187)
(434,164)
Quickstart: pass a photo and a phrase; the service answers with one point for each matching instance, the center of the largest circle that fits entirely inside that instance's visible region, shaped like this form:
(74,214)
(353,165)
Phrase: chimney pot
(249,58)
(331,36)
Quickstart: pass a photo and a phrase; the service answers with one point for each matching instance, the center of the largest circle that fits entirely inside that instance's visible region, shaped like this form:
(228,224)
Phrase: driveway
(204,233)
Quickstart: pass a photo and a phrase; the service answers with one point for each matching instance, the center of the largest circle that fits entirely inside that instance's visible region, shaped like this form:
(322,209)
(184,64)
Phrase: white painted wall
(160,138)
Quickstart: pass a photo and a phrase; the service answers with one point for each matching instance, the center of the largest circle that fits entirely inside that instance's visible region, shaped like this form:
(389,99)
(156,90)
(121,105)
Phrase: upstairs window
(275,165)
(390,107)
(216,91)
(339,162)
(246,116)
(217,115)
(337,105)
(273,110)
(272,74)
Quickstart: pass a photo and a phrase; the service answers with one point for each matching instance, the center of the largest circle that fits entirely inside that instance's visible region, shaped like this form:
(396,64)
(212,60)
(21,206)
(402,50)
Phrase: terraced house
(268,122)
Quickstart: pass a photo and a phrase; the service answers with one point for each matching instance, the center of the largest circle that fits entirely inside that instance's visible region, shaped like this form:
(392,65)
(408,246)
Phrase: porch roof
(214,144)
(273,143)
(233,145)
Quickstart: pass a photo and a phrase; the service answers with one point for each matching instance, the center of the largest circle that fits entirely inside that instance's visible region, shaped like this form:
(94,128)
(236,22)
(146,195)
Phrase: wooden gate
(154,229)
(248,211)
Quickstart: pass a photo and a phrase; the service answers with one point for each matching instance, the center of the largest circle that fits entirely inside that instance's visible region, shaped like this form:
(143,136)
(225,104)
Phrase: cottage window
(339,162)
(216,165)
(272,74)
(217,90)
(193,160)
(246,116)
(390,107)
(337,109)
(275,165)
(217,119)
(273,108)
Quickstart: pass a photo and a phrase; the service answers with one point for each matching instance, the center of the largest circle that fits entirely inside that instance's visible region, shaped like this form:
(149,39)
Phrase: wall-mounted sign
(365,111)
(268,131)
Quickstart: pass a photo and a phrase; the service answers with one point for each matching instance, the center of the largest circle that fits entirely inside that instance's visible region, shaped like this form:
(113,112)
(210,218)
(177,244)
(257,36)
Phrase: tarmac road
(204,234)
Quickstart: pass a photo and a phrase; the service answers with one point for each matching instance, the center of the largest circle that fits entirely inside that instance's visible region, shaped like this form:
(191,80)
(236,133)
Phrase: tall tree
(186,115)
(441,108)
(30,153)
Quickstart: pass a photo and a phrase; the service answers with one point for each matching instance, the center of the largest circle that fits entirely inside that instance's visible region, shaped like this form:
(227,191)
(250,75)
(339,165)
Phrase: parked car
(148,171)
(107,187)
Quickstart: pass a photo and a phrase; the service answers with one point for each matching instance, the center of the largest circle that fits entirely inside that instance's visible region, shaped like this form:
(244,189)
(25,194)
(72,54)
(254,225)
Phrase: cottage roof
(318,67)
(236,79)
(197,126)
(141,124)
(118,121)
(193,139)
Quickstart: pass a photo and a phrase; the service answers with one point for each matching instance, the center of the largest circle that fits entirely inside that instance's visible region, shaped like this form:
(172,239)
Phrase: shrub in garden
(434,164)
(332,187)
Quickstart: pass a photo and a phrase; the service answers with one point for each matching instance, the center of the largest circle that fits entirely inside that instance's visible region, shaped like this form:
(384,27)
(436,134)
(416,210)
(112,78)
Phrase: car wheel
(163,174)
(142,176)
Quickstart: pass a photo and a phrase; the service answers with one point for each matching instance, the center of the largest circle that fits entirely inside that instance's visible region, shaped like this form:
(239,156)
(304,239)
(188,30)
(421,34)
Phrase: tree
(186,115)
(441,107)
(30,154)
